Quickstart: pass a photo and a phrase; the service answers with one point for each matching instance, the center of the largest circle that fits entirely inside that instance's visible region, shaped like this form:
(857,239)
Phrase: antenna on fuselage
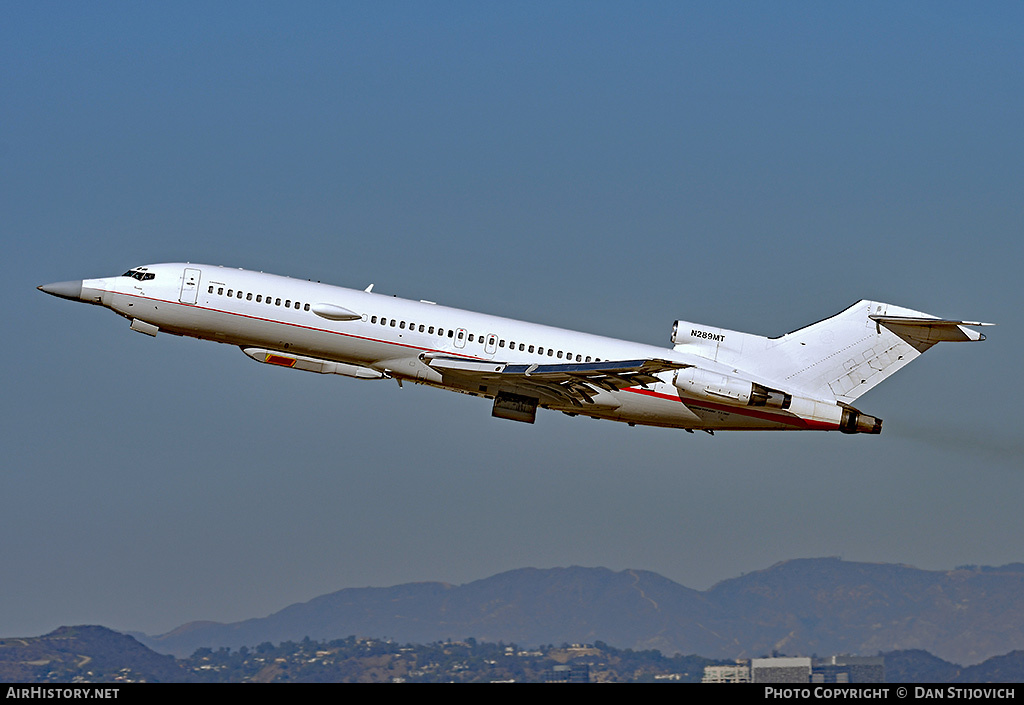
(368,289)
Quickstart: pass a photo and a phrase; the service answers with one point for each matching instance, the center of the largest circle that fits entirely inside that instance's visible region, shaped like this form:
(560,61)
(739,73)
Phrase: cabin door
(189,286)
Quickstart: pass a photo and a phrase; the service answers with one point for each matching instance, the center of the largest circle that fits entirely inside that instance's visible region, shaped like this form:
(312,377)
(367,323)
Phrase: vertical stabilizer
(850,353)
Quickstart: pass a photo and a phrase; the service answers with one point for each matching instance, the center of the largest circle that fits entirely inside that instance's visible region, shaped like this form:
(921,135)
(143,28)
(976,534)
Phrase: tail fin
(841,357)
(857,349)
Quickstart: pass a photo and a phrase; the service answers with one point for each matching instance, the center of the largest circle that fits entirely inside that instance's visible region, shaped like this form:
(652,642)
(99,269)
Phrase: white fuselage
(390,337)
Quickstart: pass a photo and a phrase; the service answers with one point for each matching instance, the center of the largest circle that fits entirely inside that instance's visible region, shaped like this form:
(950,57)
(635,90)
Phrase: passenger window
(373,319)
(287,303)
(402,325)
(305,307)
(393,322)
(248,297)
(559,354)
(421,327)
(238,295)
(430,330)
(531,348)
(211,288)
(277,302)
(229,293)
(220,290)
(521,346)
(471,337)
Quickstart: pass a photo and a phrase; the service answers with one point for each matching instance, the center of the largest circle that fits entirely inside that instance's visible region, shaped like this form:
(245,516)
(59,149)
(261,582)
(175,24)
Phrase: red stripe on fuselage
(296,325)
(741,411)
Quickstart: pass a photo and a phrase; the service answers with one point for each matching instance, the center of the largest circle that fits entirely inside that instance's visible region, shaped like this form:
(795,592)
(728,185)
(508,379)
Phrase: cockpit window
(140,275)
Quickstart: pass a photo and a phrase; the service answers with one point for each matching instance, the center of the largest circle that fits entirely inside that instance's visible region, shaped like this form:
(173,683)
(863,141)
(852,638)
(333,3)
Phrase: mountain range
(814,606)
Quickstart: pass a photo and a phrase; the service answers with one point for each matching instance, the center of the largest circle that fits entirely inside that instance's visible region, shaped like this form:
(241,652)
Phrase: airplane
(712,378)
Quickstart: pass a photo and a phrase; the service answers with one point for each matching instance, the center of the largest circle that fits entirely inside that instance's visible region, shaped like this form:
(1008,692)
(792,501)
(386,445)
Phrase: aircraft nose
(66,290)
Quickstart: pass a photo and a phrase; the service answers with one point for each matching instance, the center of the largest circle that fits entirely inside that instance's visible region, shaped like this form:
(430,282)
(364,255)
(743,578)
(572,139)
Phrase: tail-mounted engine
(854,421)
(730,390)
(735,391)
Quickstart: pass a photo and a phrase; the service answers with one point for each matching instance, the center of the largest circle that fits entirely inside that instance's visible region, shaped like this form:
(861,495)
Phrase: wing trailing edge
(577,383)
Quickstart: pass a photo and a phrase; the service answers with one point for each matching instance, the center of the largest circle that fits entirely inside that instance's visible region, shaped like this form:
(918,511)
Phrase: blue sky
(609,167)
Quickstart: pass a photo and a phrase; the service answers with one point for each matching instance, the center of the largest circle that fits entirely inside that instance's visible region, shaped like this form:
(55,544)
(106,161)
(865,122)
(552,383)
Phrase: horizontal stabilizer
(930,330)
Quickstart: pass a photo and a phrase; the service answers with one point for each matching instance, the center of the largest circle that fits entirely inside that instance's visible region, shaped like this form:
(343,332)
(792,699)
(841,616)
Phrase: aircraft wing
(574,382)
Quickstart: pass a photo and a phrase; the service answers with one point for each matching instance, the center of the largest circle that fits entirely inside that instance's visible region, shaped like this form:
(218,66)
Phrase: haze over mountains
(817,606)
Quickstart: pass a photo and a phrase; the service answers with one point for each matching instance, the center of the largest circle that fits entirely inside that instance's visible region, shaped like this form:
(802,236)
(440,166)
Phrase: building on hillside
(848,669)
(780,670)
(834,669)
(739,673)
(575,673)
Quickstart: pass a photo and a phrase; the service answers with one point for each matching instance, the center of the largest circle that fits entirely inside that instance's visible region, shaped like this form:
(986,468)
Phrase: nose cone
(65,290)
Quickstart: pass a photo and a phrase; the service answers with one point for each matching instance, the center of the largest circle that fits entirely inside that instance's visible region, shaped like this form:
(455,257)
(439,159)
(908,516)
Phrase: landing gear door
(189,286)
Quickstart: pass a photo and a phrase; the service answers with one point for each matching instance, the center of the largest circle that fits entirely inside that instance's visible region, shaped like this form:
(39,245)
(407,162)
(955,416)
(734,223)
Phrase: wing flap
(576,383)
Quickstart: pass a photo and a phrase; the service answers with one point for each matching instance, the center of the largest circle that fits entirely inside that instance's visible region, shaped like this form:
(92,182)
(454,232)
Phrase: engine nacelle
(685,333)
(729,347)
(726,389)
(854,421)
(729,390)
